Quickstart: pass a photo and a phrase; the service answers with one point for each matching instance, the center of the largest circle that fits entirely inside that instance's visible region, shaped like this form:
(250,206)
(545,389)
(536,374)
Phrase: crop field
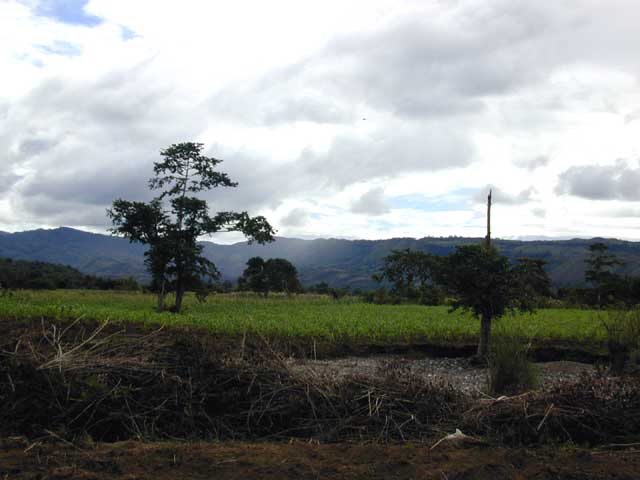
(306,316)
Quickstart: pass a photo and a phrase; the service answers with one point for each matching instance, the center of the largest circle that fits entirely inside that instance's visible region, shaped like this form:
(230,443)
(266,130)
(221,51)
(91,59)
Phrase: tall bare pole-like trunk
(487,239)
(485,320)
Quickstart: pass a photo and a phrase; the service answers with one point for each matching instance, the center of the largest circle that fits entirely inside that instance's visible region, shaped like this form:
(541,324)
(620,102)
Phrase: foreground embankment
(112,382)
(302,461)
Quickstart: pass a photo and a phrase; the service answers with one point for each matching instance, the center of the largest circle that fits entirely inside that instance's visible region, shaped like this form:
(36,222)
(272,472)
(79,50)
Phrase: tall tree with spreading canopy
(275,275)
(172,222)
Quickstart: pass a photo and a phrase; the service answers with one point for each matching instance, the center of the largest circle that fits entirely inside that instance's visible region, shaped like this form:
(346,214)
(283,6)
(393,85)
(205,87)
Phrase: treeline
(605,286)
(26,274)
(410,276)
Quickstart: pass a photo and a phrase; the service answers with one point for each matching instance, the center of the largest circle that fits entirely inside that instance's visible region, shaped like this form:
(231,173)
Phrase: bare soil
(300,461)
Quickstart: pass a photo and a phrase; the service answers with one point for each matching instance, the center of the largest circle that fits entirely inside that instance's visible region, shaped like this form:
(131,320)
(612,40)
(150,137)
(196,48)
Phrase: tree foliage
(599,274)
(273,275)
(172,223)
(412,274)
(48,276)
(482,281)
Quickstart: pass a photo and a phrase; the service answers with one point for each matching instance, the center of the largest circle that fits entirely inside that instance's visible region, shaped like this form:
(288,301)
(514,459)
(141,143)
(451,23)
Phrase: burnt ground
(300,461)
(59,454)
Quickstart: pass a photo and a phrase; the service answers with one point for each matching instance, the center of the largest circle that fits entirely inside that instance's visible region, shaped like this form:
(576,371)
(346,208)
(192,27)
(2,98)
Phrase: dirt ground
(300,461)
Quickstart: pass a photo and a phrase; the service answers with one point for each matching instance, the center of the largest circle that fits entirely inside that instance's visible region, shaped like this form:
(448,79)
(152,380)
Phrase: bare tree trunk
(161,295)
(485,336)
(485,320)
(488,237)
(179,296)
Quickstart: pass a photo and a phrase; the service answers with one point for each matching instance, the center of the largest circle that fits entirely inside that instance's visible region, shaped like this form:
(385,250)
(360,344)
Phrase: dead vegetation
(151,386)
(595,411)
(109,383)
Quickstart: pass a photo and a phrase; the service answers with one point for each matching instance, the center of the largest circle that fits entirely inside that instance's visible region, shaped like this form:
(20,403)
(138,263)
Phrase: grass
(303,316)
(510,370)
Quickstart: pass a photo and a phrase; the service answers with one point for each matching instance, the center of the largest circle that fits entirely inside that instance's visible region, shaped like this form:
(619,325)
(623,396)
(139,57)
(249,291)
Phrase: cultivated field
(308,316)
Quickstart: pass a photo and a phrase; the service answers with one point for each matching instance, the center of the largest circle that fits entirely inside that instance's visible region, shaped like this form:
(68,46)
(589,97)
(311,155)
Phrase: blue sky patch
(60,48)
(67,11)
(127,33)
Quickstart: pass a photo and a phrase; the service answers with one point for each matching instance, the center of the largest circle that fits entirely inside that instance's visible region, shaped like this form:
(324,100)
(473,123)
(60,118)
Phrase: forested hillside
(43,275)
(335,261)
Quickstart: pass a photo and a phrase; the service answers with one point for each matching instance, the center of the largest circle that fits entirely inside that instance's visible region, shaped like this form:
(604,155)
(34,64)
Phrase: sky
(360,119)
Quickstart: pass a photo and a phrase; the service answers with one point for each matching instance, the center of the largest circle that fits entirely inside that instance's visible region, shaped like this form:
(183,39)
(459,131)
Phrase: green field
(303,316)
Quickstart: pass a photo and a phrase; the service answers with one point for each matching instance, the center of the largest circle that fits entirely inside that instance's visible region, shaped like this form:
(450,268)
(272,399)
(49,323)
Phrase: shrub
(510,370)
(623,337)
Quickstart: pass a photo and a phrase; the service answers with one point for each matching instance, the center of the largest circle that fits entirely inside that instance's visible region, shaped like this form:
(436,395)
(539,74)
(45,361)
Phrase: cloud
(297,217)
(532,163)
(7,180)
(498,196)
(371,203)
(271,102)
(601,182)
(539,212)
(388,153)
(451,91)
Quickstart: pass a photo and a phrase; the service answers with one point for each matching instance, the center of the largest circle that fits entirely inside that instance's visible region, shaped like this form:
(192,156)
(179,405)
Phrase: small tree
(412,274)
(483,282)
(598,273)
(174,257)
(273,275)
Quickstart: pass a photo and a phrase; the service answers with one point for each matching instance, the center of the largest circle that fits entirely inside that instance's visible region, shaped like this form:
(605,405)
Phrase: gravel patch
(457,372)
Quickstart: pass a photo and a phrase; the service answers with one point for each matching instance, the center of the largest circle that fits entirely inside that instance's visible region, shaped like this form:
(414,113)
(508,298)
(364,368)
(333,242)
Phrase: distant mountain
(43,275)
(91,253)
(335,261)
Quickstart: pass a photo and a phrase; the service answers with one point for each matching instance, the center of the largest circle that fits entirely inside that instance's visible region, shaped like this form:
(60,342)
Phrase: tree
(254,278)
(412,274)
(275,274)
(598,272)
(482,281)
(174,258)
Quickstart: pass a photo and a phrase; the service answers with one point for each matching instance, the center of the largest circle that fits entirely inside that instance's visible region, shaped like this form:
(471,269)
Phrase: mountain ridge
(338,262)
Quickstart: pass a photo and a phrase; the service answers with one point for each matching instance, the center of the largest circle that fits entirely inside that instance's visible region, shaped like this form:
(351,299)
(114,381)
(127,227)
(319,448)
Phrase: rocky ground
(457,372)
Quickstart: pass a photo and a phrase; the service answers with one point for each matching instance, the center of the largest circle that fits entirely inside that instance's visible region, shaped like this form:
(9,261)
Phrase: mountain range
(338,262)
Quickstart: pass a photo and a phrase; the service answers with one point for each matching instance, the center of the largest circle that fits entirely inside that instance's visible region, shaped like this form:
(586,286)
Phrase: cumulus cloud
(388,153)
(295,218)
(601,182)
(371,203)
(499,196)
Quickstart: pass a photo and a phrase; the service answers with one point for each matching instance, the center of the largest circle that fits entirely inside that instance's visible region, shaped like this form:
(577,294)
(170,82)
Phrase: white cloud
(371,203)
(321,109)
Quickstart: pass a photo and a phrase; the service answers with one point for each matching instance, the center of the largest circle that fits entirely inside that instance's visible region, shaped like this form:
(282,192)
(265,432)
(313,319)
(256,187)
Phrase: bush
(510,370)
(623,337)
